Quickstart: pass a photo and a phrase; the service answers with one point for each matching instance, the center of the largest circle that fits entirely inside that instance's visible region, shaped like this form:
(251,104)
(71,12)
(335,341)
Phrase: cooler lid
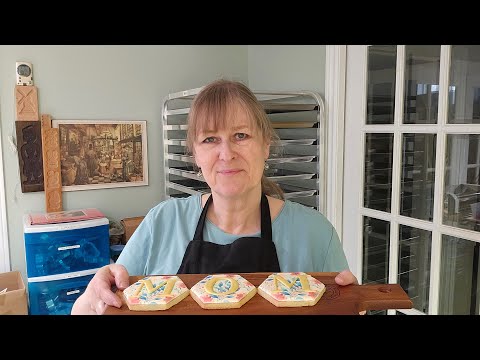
(29,228)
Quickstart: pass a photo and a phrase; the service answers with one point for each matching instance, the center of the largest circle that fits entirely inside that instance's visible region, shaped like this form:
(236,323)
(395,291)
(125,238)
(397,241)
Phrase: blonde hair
(210,109)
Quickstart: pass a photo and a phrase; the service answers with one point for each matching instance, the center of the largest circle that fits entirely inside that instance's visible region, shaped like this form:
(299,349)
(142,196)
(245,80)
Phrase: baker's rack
(297,163)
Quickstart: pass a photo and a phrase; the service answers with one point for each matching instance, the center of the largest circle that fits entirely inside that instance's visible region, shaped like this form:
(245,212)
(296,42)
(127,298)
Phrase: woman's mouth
(229,172)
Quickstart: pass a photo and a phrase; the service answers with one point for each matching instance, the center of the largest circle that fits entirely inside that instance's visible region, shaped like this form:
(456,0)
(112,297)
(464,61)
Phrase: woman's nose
(226,150)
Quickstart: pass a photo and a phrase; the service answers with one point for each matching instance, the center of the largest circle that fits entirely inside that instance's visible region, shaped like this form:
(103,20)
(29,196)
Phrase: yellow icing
(289,284)
(210,283)
(150,288)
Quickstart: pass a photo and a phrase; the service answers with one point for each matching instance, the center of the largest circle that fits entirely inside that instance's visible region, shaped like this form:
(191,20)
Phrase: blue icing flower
(222,286)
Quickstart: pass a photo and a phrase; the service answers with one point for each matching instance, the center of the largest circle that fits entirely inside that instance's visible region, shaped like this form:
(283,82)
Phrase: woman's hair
(211,108)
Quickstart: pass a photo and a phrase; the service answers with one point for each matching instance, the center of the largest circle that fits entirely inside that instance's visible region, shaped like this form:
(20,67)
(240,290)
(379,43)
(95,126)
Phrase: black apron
(244,255)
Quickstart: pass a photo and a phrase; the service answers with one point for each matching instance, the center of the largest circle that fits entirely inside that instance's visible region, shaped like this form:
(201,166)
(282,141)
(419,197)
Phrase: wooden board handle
(380,297)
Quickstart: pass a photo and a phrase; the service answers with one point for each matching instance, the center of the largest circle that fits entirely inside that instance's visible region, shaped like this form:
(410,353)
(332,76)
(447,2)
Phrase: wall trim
(4,245)
(335,76)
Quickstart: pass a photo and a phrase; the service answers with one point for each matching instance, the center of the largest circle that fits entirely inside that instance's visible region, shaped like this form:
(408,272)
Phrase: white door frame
(338,208)
(355,81)
(335,67)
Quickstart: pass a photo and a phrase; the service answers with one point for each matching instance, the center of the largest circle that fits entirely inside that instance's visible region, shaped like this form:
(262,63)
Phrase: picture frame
(99,154)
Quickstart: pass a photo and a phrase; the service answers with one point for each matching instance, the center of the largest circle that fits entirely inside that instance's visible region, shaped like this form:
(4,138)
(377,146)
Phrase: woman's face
(232,160)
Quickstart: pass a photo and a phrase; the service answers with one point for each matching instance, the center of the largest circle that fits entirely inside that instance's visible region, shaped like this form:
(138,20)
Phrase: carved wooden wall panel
(51,166)
(26,101)
(30,159)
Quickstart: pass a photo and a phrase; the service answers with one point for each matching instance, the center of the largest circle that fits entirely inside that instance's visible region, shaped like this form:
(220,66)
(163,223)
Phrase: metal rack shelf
(296,161)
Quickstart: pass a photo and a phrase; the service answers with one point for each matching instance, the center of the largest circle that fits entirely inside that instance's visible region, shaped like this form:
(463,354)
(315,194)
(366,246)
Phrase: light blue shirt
(304,239)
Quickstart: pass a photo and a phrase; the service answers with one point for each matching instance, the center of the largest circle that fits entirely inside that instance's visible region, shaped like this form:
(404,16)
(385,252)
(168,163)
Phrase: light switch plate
(24,73)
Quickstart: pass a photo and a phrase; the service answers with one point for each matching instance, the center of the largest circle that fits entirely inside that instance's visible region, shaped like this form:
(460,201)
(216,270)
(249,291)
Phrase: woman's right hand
(99,294)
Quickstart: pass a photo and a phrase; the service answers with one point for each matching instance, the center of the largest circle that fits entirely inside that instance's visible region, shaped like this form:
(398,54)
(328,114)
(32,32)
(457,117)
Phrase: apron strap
(266,226)
(266,221)
(201,221)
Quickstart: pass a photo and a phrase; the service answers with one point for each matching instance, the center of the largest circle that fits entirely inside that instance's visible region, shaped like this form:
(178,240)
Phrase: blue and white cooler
(61,259)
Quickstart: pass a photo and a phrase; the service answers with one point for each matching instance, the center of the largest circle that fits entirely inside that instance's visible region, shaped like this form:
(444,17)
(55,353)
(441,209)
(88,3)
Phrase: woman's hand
(346,277)
(99,294)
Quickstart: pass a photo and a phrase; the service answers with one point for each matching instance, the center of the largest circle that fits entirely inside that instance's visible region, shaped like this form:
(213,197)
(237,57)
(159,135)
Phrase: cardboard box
(130,225)
(14,300)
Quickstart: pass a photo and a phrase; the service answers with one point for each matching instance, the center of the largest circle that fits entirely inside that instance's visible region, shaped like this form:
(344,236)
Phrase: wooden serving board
(337,300)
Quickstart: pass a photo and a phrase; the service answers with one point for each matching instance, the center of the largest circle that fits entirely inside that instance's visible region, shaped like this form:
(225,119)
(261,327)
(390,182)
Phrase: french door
(411,196)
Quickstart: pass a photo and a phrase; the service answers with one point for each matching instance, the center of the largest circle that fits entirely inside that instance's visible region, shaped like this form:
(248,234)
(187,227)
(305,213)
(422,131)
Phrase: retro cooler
(61,259)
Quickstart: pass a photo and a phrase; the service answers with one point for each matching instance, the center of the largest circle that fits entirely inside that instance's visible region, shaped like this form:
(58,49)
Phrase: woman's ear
(267,151)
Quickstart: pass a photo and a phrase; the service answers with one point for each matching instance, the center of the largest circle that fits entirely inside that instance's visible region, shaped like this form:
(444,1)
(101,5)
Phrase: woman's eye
(209,140)
(241,136)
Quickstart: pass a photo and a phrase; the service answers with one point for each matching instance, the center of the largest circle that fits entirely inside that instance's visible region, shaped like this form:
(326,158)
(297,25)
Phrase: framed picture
(97,154)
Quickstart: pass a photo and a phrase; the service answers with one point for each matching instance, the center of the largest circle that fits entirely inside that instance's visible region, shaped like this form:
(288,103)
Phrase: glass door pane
(378,171)
(422,75)
(462,183)
(376,243)
(382,60)
(459,290)
(414,265)
(418,175)
(464,85)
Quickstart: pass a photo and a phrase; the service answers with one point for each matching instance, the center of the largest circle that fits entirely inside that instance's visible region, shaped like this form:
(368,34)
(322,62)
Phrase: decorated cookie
(291,289)
(155,293)
(222,291)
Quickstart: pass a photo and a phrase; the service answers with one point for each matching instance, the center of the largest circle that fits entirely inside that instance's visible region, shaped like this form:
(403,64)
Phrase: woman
(244,225)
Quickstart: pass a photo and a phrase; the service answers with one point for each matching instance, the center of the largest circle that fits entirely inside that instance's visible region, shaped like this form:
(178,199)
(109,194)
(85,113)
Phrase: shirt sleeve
(335,259)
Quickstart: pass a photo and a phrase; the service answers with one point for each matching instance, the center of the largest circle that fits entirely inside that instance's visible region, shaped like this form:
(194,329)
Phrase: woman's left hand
(346,277)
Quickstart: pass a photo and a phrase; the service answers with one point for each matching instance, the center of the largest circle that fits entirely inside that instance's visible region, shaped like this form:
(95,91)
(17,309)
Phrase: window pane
(378,171)
(464,86)
(418,175)
(414,265)
(422,73)
(382,60)
(462,183)
(376,242)
(459,277)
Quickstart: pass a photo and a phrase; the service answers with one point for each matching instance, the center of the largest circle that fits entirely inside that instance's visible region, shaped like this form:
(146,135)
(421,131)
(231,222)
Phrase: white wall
(287,67)
(104,82)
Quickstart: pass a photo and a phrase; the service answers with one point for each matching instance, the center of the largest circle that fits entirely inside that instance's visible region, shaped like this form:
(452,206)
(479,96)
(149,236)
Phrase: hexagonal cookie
(155,293)
(222,291)
(291,289)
